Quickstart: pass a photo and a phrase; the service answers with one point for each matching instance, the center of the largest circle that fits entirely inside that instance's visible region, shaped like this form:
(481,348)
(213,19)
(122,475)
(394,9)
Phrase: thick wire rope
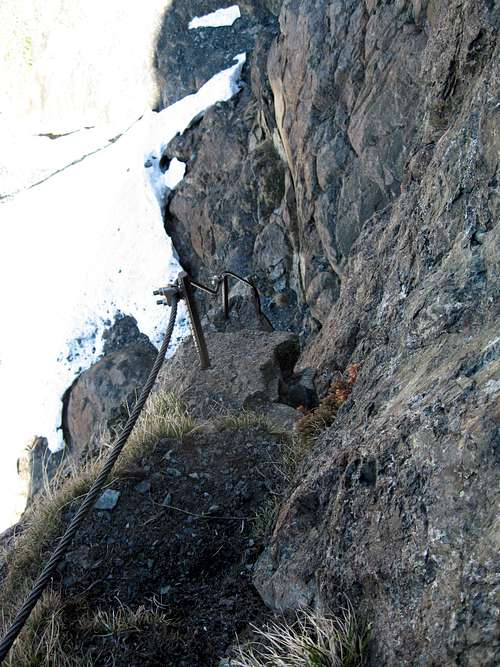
(91,497)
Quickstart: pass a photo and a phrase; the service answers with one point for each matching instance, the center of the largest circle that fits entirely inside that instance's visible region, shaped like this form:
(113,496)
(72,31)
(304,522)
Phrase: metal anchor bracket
(167,293)
(183,289)
(223,279)
(186,290)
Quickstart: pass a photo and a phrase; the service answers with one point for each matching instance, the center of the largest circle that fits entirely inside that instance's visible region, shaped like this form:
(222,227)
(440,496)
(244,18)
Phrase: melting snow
(217,19)
(75,250)
(175,173)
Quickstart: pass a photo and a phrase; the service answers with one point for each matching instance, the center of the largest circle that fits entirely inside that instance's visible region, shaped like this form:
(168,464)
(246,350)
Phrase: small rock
(165,590)
(167,501)
(108,500)
(143,487)
(213,509)
(194,475)
(174,472)
(164,442)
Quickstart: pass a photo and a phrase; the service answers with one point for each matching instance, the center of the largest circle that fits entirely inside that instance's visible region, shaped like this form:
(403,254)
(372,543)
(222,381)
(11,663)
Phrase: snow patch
(217,19)
(175,173)
(174,120)
(86,244)
(28,159)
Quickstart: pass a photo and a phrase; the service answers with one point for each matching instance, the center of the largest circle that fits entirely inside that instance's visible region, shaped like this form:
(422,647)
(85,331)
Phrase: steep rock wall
(395,506)
(356,180)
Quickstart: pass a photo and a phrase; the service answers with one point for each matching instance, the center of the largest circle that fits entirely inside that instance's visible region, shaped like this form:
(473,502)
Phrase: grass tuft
(245,419)
(163,416)
(41,642)
(123,621)
(265,518)
(313,640)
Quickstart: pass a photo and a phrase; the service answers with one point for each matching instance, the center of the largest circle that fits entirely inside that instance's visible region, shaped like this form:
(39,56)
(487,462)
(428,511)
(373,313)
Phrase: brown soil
(192,563)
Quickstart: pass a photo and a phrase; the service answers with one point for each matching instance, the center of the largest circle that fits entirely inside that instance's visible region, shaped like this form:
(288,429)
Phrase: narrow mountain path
(181,542)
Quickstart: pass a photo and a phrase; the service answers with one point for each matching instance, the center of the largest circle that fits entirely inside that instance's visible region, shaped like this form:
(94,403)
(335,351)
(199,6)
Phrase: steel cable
(91,497)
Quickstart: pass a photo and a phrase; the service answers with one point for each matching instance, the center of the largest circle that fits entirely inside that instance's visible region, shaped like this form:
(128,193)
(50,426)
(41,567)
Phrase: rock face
(97,401)
(356,179)
(225,214)
(192,57)
(37,467)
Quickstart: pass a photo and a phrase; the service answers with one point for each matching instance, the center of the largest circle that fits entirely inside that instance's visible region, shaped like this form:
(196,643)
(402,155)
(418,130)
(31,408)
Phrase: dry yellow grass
(122,620)
(245,419)
(163,416)
(312,640)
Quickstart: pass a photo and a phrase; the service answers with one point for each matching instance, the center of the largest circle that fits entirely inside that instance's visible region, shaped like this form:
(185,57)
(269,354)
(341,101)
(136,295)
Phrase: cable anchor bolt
(168,293)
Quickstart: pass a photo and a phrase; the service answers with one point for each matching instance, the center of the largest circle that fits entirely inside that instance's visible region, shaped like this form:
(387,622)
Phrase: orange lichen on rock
(324,415)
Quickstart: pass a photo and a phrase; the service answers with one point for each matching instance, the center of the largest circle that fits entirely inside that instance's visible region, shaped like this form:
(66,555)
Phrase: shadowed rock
(37,467)
(99,399)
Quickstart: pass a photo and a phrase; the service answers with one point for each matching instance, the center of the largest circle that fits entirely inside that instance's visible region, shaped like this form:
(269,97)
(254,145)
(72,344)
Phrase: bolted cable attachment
(183,289)
(168,293)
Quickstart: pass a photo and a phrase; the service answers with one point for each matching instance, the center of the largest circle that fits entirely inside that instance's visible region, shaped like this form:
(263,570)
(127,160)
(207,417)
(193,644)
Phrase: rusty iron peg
(183,288)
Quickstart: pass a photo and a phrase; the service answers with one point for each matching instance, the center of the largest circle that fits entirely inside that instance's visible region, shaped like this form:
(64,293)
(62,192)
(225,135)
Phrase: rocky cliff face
(355,179)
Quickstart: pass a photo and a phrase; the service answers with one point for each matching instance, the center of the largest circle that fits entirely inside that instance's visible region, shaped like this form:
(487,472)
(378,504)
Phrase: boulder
(123,332)
(249,370)
(99,399)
